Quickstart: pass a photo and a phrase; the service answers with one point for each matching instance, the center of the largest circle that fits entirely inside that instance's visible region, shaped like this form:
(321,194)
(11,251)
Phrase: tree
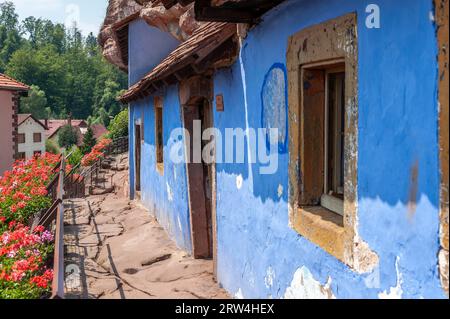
(10,39)
(65,65)
(89,141)
(35,103)
(52,147)
(67,136)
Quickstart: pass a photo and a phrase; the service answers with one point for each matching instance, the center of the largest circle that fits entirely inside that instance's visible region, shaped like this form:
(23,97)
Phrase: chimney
(69,119)
(46,123)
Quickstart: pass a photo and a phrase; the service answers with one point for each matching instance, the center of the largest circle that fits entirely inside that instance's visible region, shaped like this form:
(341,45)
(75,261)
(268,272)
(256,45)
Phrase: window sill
(322,227)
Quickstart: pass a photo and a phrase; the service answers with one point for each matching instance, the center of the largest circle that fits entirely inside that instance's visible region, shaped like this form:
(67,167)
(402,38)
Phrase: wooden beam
(168,3)
(219,14)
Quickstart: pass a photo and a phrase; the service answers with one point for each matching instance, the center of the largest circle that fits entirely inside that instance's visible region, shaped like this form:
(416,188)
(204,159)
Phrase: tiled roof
(55,125)
(23,117)
(197,49)
(98,130)
(7,83)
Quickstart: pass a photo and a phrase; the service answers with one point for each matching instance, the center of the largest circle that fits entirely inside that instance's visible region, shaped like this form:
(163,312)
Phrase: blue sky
(89,14)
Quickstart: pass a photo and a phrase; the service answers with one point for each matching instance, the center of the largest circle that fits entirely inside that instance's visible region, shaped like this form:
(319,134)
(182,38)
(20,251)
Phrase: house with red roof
(10,92)
(31,136)
(81,127)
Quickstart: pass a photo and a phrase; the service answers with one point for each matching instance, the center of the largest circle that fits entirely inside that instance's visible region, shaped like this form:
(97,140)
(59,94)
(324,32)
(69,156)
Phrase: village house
(53,127)
(80,126)
(31,137)
(10,92)
(358,205)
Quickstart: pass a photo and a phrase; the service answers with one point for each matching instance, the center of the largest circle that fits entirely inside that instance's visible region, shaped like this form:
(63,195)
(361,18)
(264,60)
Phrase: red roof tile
(99,130)
(23,117)
(7,83)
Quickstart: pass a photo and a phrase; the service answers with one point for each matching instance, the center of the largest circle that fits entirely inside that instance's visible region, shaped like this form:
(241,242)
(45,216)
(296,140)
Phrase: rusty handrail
(58,262)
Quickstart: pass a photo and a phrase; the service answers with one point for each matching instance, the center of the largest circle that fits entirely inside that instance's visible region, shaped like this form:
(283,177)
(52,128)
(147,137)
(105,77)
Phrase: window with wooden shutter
(21,138)
(37,137)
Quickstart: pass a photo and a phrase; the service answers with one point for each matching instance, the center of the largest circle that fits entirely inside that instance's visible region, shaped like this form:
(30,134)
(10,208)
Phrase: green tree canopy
(65,65)
(35,103)
(119,125)
(67,136)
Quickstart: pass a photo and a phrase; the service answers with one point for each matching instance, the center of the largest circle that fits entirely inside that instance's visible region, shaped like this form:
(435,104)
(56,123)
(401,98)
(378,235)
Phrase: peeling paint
(443,268)
(304,286)
(239,181)
(274,105)
(238,294)
(270,276)
(397,291)
(280,190)
(179,223)
(169,192)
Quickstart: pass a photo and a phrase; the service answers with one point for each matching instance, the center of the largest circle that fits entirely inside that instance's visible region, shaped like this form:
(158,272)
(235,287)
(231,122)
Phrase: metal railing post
(58,262)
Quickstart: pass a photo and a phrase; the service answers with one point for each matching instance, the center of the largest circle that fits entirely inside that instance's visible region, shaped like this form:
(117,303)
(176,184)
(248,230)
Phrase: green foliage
(67,136)
(66,66)
(52,147)
(119,125)
(35,103)
(76,155)
(89,141)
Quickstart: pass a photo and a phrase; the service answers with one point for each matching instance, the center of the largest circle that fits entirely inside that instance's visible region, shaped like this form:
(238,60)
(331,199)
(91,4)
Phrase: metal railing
(118,146)
(55,214)
(64,186)
(58,261)
(91,174)
(61,185)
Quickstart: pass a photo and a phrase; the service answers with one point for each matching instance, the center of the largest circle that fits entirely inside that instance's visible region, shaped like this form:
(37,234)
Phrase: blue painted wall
(258,253)
(164,195)
(147,47)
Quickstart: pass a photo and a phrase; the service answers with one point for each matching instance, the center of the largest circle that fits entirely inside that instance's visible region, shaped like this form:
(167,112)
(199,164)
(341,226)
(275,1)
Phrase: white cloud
(86,14)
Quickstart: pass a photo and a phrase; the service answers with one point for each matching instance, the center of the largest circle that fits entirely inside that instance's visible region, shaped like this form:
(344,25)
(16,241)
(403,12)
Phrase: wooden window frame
(159,134)
(21,155)
(322,45)
(19,140)
(35,140)
(442,22)
(328,201)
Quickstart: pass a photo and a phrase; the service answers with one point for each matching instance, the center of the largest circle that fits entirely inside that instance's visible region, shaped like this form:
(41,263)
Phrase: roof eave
(218,50)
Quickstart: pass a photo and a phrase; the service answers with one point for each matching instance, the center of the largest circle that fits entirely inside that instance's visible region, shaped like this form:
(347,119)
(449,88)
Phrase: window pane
(335,136)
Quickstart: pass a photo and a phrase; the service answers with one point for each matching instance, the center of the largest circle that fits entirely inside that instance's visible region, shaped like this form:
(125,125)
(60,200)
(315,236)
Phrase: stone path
(115,249)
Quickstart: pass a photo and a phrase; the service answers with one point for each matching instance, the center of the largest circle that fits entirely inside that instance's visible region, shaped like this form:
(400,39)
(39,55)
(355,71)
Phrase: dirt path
(115,249)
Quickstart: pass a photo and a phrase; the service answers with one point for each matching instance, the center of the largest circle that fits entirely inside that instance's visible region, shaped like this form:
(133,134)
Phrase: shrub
(23,257)
(24,252)
(119,125)
(52,147)
(75,157)
(23,190)
(67,136)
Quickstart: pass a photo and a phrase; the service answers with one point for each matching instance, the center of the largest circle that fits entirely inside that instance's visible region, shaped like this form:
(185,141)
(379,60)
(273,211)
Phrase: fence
(70,185)
(91,174)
